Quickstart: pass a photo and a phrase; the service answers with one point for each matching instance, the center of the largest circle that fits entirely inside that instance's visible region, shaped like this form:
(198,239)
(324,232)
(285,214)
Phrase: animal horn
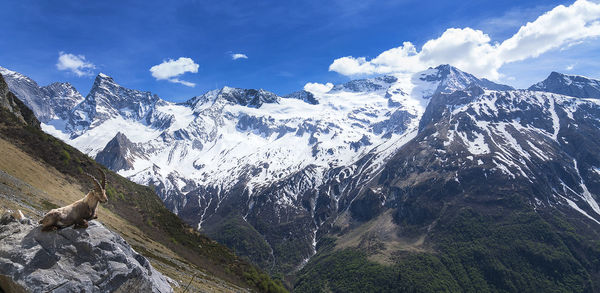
(103,178)
(97,185)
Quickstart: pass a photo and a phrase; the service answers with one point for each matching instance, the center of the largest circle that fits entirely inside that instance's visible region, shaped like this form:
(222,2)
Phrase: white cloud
(570,67)
(74,63)
(315,87)
(237,56)
(472,50)
(186,83)
(171,69)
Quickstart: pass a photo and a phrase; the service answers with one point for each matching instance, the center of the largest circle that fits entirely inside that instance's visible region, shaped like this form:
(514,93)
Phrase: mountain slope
(497,192)
(42,172)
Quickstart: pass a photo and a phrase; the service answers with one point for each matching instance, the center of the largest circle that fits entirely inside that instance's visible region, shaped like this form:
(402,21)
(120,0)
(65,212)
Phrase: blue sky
(288,43)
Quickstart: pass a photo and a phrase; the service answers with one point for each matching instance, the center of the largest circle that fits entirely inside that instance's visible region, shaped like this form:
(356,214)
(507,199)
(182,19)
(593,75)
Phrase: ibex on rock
(79,212)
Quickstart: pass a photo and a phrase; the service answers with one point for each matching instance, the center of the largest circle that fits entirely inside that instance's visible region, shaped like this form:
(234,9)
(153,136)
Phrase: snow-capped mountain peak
(13,75)
(452,78)
(569,85)
(235,96)
(107,93)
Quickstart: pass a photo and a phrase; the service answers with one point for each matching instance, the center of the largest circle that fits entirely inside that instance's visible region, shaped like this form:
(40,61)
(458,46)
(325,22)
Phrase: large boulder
(72,260)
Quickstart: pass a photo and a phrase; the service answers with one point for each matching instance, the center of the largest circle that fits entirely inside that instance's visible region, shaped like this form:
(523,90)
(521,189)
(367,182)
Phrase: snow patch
(586,196)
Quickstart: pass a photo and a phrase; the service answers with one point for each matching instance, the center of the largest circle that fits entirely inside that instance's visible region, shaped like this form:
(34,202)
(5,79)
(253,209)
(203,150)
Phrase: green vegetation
(46,205)
(236,233)
(518,252)
(290,252)
(66,157)
(110,192)
(263,282)
(113,194)
(349,271)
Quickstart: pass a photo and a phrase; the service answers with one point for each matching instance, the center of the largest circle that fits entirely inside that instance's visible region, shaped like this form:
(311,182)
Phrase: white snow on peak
(12,74)
(215,141)
(15,76)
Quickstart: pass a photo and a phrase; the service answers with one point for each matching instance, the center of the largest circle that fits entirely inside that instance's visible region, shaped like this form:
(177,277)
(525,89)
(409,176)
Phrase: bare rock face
(118,152)
(72,260)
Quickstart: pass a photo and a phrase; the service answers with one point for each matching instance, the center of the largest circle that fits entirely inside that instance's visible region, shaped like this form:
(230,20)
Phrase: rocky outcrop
(303,95)
(117,153)
(72,260)
(248,97)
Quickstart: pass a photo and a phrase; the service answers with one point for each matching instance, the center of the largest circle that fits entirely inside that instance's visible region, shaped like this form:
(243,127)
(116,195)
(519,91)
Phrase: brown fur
(79,212)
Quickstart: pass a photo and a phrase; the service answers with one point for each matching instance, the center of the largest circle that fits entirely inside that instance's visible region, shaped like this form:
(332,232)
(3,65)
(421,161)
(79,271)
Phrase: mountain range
(39,172)
(396,173)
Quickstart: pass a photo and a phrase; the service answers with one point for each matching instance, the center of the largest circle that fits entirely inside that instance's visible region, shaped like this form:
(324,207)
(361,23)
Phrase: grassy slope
(133,210)
(33,187)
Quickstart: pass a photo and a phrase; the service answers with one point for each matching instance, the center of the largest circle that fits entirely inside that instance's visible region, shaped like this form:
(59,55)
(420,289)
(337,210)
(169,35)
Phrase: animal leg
(81,224)
(92,217)
(49,228)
